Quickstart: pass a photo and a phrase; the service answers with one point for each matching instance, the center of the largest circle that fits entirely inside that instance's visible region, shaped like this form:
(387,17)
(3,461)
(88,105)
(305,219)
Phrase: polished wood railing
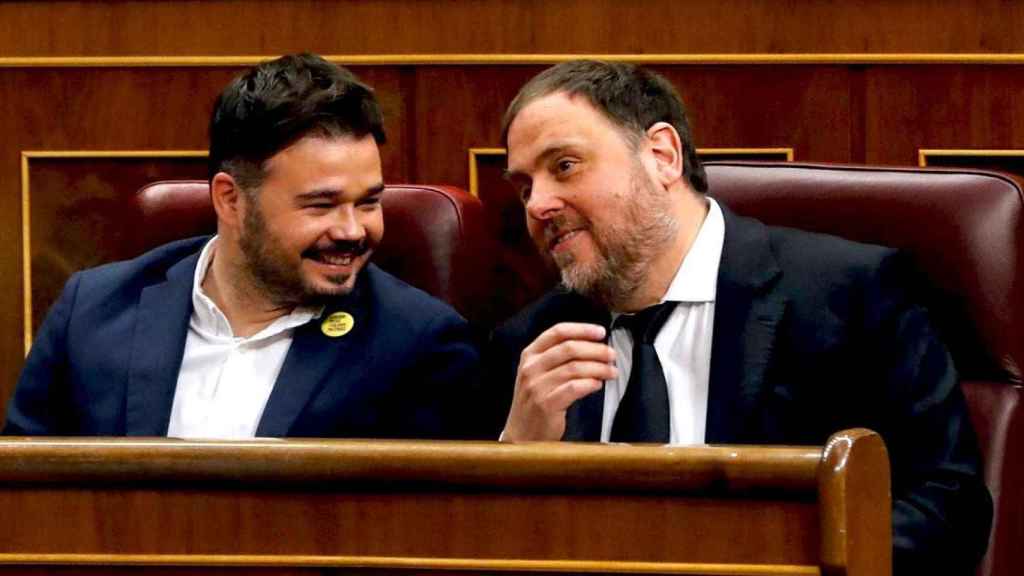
(388,507)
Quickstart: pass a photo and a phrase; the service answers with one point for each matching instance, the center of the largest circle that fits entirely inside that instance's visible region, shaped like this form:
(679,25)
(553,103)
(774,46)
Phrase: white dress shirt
(225,381)
(684,342)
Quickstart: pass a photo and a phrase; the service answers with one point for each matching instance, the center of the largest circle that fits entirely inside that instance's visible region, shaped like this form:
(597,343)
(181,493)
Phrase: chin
(326,287)
(577,277)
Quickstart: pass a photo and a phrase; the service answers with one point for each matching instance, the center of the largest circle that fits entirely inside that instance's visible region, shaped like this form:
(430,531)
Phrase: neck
(244,307)
(689,214)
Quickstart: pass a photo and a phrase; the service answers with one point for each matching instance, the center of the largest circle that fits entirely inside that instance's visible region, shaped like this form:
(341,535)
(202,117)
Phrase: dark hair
(279,102)
(632,98)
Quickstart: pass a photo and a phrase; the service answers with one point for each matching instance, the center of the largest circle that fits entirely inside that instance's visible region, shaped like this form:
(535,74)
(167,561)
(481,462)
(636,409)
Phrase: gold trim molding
(26,228)
(517,59)
(379,562)
(476,153)
(474,174)
(787,152)
(924,153)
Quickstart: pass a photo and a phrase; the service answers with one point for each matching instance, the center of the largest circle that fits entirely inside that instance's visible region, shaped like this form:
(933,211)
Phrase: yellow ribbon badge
(337,324)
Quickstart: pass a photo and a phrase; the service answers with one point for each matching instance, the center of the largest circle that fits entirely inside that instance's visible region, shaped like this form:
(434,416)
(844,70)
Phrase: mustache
(352,247)
(560,224)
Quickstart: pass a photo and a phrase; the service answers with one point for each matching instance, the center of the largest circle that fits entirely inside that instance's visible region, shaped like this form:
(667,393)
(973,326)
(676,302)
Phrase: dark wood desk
(84,506)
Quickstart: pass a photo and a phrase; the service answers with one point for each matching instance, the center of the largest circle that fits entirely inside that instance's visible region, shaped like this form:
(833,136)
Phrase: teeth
(337,259)
(562,238)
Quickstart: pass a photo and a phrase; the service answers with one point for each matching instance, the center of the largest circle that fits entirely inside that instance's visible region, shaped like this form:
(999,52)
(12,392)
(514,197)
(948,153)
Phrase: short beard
(267,268)
(626,250)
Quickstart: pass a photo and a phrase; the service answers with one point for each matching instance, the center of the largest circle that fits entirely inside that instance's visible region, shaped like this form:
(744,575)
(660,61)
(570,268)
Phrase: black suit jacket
(814,334)
(106,359)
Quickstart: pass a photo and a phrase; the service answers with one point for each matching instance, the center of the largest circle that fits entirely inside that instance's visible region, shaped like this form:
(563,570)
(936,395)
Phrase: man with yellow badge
(276,326)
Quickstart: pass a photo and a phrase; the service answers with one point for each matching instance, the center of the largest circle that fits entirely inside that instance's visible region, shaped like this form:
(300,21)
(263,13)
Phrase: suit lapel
(313,358)
(158,346)
(747,311)
(583,419)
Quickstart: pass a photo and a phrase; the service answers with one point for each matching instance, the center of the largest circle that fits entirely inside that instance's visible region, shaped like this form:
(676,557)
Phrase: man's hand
(565,363)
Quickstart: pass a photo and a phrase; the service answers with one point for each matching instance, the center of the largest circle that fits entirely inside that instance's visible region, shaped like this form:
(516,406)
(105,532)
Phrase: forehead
(554,120)
(315,154)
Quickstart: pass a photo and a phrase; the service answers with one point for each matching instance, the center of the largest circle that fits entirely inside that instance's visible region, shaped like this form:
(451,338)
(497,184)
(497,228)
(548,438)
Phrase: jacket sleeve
(41,404)
(445,380)
(942,511)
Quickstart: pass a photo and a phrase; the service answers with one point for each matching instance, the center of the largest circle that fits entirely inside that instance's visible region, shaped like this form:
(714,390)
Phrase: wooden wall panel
(806,108)
(913,107)
(227,27)
(458,108)
(81,216)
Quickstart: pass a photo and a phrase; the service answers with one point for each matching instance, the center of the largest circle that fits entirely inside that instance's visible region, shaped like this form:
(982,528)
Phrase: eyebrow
(330,193)
(552,150)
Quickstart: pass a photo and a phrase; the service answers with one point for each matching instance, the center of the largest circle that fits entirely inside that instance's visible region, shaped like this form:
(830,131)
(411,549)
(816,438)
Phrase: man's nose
(543,202)
(346,224)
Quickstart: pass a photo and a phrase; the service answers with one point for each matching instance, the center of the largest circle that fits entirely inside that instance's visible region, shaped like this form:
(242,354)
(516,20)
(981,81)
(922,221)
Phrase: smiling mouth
(558,238)
(336,259)
(337,256)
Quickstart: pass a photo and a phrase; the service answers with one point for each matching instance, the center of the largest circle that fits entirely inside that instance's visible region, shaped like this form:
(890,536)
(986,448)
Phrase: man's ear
(227,200)
(667,150)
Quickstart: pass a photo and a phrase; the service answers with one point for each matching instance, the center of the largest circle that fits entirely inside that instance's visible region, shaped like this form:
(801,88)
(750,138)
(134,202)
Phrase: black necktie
(643,412)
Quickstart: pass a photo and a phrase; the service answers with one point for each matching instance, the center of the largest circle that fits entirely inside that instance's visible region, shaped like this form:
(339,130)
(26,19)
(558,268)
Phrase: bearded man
(276,326)
(679,322)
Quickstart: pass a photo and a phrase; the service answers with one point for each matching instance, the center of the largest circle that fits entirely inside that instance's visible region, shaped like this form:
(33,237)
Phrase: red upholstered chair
(433,235)
(963,228)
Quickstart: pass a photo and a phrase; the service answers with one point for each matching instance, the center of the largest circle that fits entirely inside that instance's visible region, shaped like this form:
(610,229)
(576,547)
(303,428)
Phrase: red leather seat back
(963,229)
(433,235)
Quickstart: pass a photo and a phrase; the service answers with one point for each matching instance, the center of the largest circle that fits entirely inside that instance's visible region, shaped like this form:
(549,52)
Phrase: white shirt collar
(208,320)
(697,277)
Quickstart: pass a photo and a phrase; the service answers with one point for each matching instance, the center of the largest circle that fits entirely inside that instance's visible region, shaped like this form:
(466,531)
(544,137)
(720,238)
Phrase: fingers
(566,331)
(561,357)
(556,390)
(564,352)
(562,397)
(565,363)
(564,343)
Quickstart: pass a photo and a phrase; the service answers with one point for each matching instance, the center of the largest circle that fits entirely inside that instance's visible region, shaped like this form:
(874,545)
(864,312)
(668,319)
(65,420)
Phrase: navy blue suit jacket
(814,334)
(106,359)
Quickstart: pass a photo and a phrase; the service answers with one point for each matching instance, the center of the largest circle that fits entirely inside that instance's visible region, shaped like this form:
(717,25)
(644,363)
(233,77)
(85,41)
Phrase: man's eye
(563,166)
(369,203)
